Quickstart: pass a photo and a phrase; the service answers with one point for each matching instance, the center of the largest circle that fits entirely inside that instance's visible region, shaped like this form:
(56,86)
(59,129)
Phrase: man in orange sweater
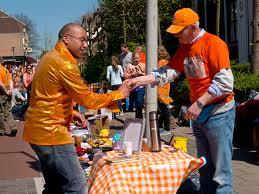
(204,59)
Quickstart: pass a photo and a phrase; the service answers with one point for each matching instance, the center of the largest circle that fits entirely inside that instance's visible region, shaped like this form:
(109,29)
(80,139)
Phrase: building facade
(236,24)
(14,40)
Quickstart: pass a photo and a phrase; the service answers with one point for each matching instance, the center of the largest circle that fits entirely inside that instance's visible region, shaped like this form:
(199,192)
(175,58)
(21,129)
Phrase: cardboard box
(97,123)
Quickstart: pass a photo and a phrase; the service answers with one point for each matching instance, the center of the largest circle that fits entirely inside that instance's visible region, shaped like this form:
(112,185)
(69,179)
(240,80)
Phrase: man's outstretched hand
(125,88)
(140,81)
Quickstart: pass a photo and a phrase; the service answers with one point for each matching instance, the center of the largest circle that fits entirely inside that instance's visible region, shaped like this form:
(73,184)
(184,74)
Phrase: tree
(120,20)
(33,35)
(255,50)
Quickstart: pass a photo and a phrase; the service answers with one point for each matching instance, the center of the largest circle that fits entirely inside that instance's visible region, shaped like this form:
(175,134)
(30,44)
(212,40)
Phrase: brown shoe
(12,134)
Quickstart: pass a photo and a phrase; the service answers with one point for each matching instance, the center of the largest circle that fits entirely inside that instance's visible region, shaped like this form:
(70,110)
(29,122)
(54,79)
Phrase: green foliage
(166,9)
(239,68)
(95,70)
(243,79)
(247,82)
(135,20)
(112,14)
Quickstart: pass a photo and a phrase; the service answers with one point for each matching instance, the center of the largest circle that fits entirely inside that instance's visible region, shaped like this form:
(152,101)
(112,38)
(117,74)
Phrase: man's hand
(78,119)
(125,88)
(193,112)
(142,80)
(9,93)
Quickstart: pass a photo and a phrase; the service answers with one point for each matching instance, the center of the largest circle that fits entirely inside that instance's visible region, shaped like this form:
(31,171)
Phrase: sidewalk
(19,170)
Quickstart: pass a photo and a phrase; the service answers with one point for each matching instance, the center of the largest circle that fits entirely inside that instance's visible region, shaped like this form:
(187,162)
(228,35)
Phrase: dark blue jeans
(113,88)
(214,141)
(139,98)
(61,169)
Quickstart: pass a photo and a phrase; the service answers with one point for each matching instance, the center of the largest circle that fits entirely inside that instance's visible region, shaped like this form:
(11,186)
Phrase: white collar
(201,33)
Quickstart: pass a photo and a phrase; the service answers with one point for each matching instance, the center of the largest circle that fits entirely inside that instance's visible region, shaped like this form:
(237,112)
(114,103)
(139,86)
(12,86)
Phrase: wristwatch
(199,104)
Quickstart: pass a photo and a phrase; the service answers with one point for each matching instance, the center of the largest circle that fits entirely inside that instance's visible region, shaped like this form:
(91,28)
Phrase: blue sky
(49,15)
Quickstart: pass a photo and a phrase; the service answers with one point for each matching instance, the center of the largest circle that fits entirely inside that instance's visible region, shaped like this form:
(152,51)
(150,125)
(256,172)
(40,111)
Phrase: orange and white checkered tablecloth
(160,172)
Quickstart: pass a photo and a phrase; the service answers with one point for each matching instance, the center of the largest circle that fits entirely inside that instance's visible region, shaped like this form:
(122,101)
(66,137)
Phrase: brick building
(13,39)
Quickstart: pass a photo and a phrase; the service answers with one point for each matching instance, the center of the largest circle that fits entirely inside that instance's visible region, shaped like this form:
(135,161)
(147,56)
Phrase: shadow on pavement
(243,154)
(35,165)
(21,152)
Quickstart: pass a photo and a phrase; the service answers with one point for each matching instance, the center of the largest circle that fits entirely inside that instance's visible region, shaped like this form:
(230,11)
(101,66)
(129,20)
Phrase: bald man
(55,86)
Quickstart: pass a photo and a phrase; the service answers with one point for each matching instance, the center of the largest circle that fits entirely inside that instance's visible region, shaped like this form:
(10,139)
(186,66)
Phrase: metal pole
(151,42)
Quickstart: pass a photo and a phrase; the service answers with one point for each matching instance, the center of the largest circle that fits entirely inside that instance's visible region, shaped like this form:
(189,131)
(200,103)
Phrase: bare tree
(33,35)
(255,51)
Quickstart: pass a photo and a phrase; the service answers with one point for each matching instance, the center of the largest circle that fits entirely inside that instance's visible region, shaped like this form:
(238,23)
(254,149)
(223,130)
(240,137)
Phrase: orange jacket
(142,57)
(56,84)
(5,76)
(163,91)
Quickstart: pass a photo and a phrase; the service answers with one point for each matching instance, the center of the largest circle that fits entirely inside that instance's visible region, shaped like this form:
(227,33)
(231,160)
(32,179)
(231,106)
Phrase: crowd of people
(129,65)
(15,93)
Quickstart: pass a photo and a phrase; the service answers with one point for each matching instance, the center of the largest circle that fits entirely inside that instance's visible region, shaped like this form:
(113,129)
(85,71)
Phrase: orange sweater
(163,91)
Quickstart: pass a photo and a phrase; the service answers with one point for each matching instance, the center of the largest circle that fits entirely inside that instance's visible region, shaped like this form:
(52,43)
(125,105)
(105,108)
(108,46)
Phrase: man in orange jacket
(55,86)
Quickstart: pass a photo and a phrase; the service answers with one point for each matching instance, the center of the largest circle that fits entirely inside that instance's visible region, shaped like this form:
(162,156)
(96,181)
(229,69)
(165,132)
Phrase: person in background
(104,88)
(204,58)
(125,57)
(6,87)
(27,79)
(56,85)
(163,92)
(18,102)
(134,70)
(113,75)
(142,54)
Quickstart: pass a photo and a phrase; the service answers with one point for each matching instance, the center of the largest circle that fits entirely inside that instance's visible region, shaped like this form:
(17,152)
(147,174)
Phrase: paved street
(20,174)
(19,169)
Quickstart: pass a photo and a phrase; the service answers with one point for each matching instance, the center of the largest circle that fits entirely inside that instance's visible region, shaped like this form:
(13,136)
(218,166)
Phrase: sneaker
(164,132)
(3,134)
(12,134)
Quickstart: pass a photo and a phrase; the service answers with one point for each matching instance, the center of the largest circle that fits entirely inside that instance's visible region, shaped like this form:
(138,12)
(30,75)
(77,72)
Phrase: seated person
(19,103)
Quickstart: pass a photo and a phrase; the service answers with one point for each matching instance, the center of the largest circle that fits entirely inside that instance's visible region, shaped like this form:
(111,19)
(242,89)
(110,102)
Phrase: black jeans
(164,116)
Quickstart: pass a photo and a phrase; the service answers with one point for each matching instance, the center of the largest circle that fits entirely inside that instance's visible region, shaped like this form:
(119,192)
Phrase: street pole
(151,42)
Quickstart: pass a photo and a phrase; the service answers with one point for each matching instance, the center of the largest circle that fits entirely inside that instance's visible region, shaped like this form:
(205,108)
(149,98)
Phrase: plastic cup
(128,148)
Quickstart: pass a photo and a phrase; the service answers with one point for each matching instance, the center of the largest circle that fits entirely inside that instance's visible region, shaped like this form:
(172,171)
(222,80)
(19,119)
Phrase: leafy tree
(120,18)
(33,35)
